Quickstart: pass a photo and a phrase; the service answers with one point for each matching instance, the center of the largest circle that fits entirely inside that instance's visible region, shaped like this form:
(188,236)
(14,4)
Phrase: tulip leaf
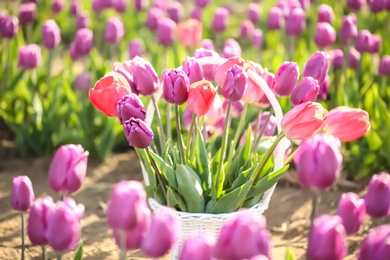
(289,254)
(214,167)
(78,255)
(166,170)
(242,178)
(174,200)
(190,188)
(148,166)
(252,202)
(232,200)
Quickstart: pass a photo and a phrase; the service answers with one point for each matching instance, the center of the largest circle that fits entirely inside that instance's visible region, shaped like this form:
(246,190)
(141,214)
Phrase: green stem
(262,129)
(122,249)
(241,124)
(169,125)
(158,173)
(314,210)
(224,142)
(190,135)
(179,136)
(22,234)
(43,247)
(59,257)
(162,136)
(49,65)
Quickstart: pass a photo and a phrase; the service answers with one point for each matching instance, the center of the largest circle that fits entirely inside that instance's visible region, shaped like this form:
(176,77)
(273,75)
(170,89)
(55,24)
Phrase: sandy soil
(287,216)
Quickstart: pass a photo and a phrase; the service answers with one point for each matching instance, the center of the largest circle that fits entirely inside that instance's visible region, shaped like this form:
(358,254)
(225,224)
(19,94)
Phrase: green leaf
(166,170)
(289,254)
(174,200)
(78,255)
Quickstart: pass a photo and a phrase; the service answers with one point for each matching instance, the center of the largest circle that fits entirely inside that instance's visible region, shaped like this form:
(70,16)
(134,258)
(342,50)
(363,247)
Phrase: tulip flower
(51,35)
(196,247)
(155,14)
(236,110)
(206,44)
(327,239)
(165,31)
(384,66)
(325,14)
(270,128)
(246,29)
(253,93)
(216,112)
(347,123)
(176,85)
(193,70)
(130,106)
(338,59)
(27,12)
(376,245)
(348,29)
(353,58)
(220,73)
(9,27)
(138,133)
(107,92)
(306,90)
(196,13)
(127,207)
(318,162)
(275,18)
(317,66)
(22,197)
(136,48)
(145,78)
(324,88)
(201,96)
(82,43)
(74,7)
(202,3)
(257,38)
(83,82)
(207,51)
(376,6)
(295,22)
(377,199)
(325,35)
(115,30)
(175,11)
(78,209)
(57,6)
(37,220)
(82,20)
(356,4)
(162,234)
(352,210)
(68,168)
(285,78)
(231,49)
(253,13)
(367,42)
(189,32)
(140,5)
(220,19)
(29,56)
(235,83)
(119,5)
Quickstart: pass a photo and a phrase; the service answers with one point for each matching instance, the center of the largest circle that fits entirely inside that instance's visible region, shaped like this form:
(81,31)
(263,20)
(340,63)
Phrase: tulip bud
(193,70)
(29,56)
(201,96)
(375,44)
(189,32)
(127,207)
(376,245)
(165,31)
(353,58)
(74,8)
(83,82)
(202,3)
(285,79)
(176,85)
(37,220)
(22,197)
(9,27)
(306,90)
(136,48)
(235,83)
(51,35)
(347,123)
(82,43)
(356,4)
(208,45)
(155,14)
(27,12)
(376,6)
(175,11)
(196,13)
(243,227)
(377,198)
(82,20)
(162,234)
(57,6)
(325,35)
(325,14)
(338,59)
(138,133)
(352,210)
(119,5)
(317,66)
(304,121)
(348,29)
(129,106)
(275,19)
(196,247)
(220,73)
(384,66)
(114,30)
(231,49)
(327,239)
(295,22)
(68,168)
(246,29)
(253,13)
(220,19)
(257,38)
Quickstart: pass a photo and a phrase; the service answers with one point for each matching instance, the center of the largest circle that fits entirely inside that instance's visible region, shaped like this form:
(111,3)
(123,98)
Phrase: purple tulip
(253,13)
(83,82)
(295,22)
(306,90)
(114,30)
(196,247)
(208,45)
(136,48)
(269,128)
(140,5)
(376,245)
(22,197)
(74,8)
(193,69)
(119,5)
(51,35)
(243,227)
(196,13)
(353,58)
(155,14)
(377,198)
(162,234)
(202,3)
(363,41)
(98,6)
(275,19)
(27,12)
(82,20)
(327,239)
(144,77)
(348,29)
(220,19)
(176,85)
(286,78)
(376,6)
(9,27)
(82,44)
(57,6)
(29,56)
(325,35)
(130,106)
(231,48)
(165,31)
(246,29)
(257,38)
(37,220)
(318,161)
(356,4)
(68,168)
(235,83)
(384,66)
(325,14)
(375,44)
(352,210)
(324,88)
(338,59)
(317,66)
(138,133)
(78,209)
(175,11)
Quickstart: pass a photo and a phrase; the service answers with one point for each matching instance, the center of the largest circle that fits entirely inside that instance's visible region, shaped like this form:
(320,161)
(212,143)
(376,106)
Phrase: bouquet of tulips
(224,160)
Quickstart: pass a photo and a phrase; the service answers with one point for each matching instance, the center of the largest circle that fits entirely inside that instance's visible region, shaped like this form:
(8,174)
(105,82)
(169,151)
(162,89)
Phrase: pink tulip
(208,69)
(253,13)
(201,97)
(377,199)
(9,27)
(231,49)
(193,70)
(325,14)
(220,19)
(376,245)
(347,123)
(325,35)
(285,78)
(306,90)
(189,32)
(154,15)
(253,93)
(27,12)
(175,11)
(275,18)
(317,66)
(165,31)
(348,29)
(246,29)
(352,210)
(220,73)
(295,22)
(215,113)
(51,35)
(384,66)
(37,220)
(83,82)
(136,48)
(29,57)
(22,197)
(115,30)
(196,247)
(176,85)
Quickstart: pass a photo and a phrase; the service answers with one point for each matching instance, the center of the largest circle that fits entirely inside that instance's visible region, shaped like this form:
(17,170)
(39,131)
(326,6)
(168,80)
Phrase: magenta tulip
(37,220)
(22,197)
(352,210)
(138,133)
(377,199)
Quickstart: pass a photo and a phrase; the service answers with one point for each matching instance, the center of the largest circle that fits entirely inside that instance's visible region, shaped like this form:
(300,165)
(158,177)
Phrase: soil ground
(287,215)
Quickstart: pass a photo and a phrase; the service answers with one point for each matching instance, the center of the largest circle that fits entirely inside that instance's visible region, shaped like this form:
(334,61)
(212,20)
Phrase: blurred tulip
(338,59)
(231,49)
(220,19)
(78,209)
(220,73)
(22,197)
(136,48)
(304,121)
(119,5)
(187,118)
(325,14)
(253,13)
(29,57)
(82,20)
(27,12)
(375,44)
(127,206)
(208,45)
(176,85)
(384,66)
(145,78)
(216,112)
(83,82)
(325,35)
(9,27)
(348,29)
(107,92)
(196,247)
(140,5)
(376,245)
(317,66)
(363,41)
(138,133)
(306,90)
(295,22)
(37,220)
(246,29)
(196,13)
(201,96)
(57,6)
(189,32)
(376,6)
(129,106)
(327,239)
(269,128)
(115,30)
(68,168)
(162,234)
(155,14)
(356,4)
(51,35)
(275,19)
(165,31)
(347,123)
(253,93)
(235,83)
(286,78)
(353,58)
(377,199)
(202,3)
(160,4)
(208,69)
(257,38)
(175,11)
(193,69)
(98,5)
(324,88)
(74,8)
(352,210)
(82,43)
